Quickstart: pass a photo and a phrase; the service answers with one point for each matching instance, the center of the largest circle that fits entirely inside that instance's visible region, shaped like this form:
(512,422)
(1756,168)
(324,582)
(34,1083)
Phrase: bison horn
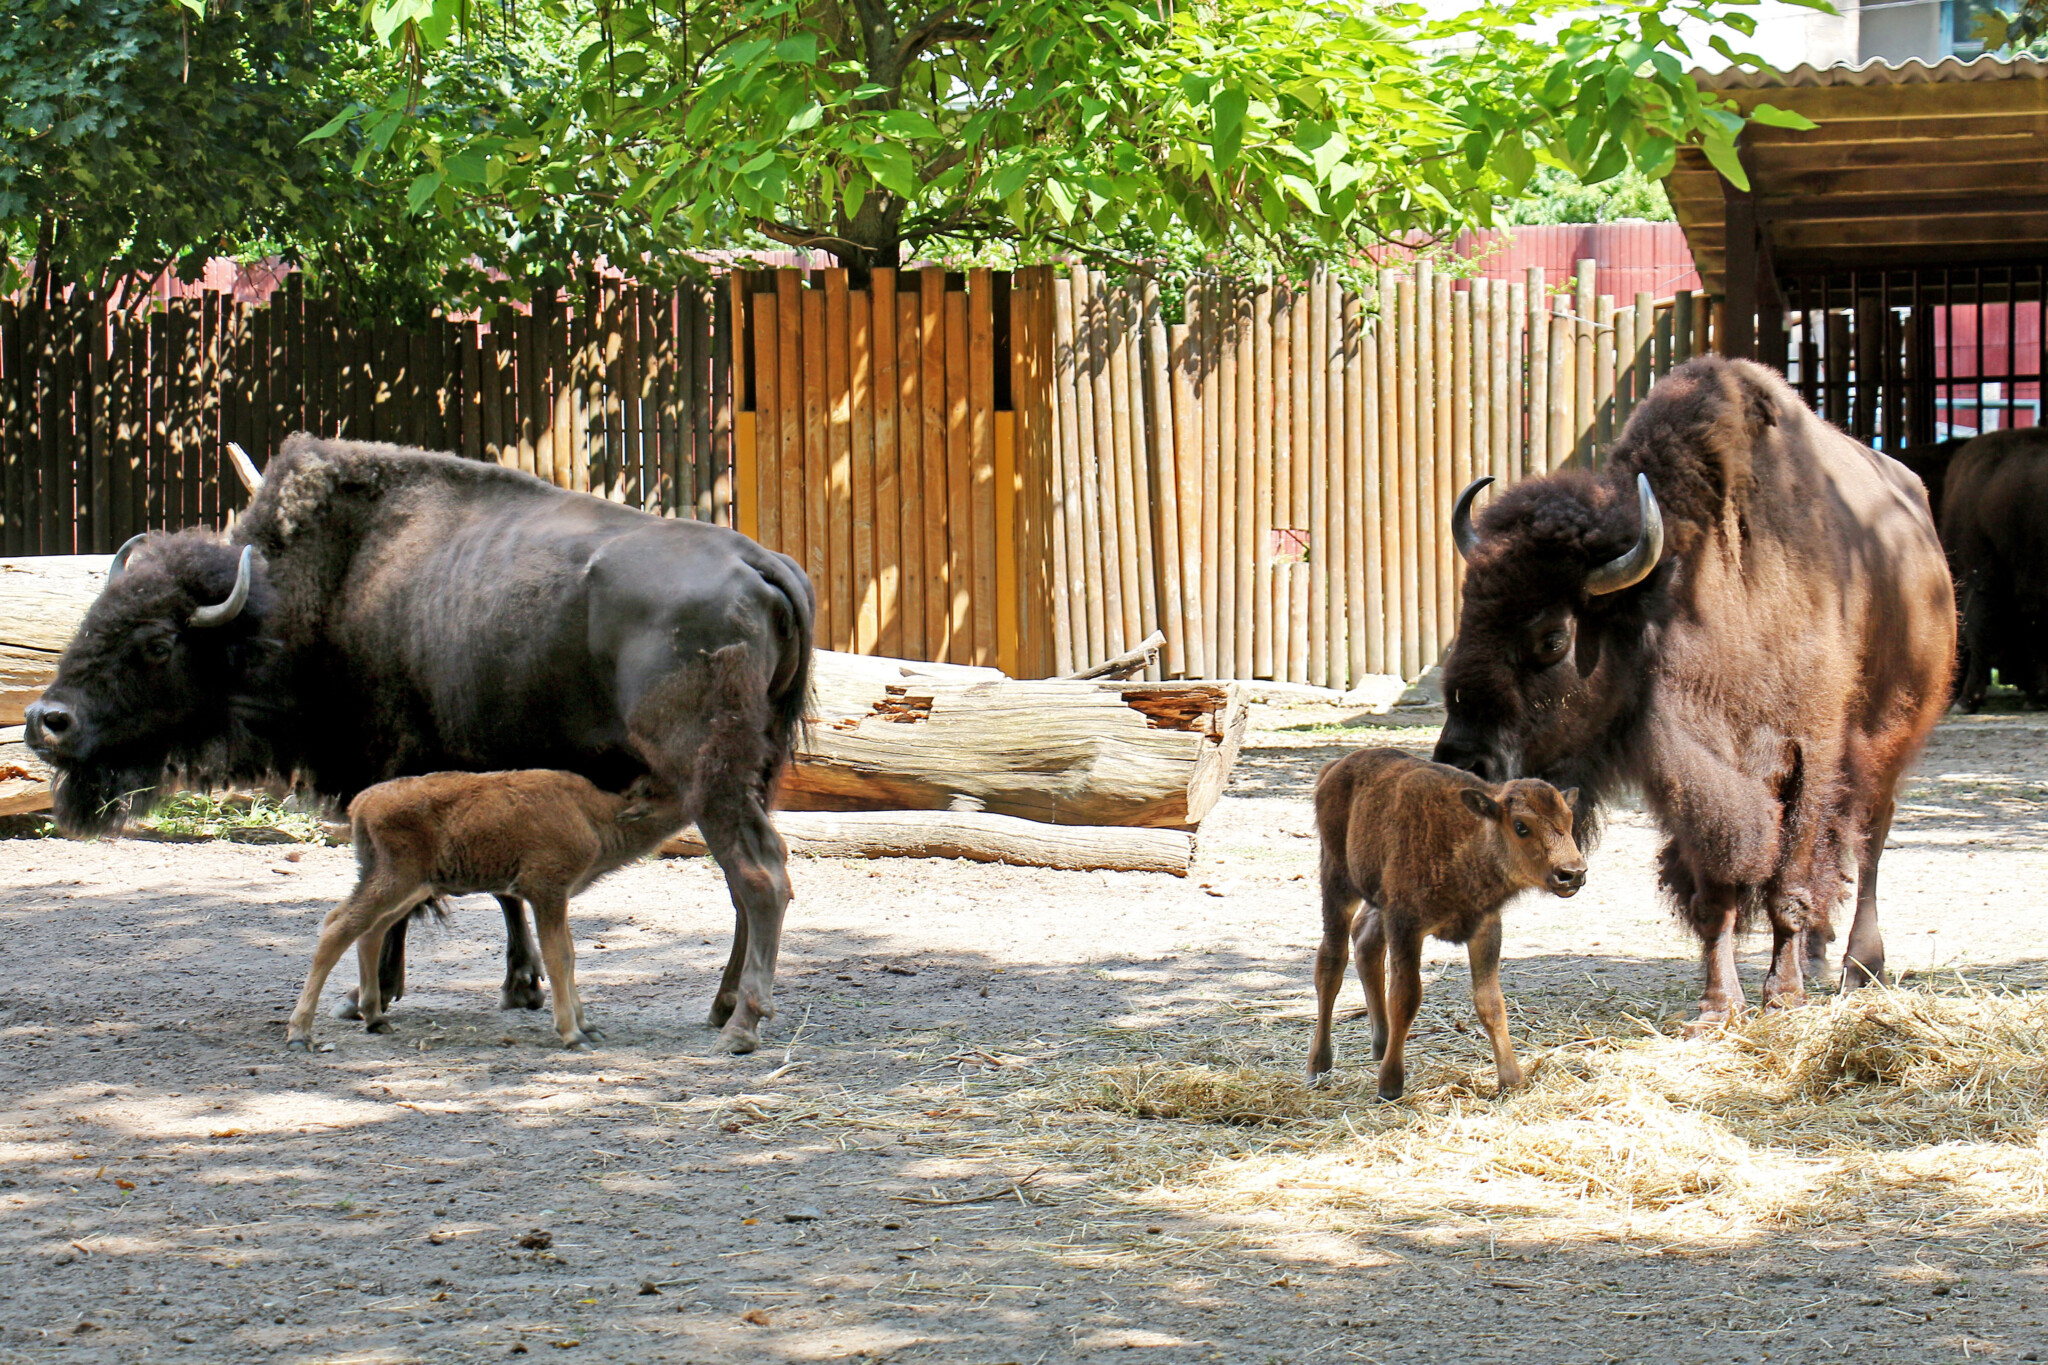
(121,555)
(1628,569)
(1462,534)
(223,612)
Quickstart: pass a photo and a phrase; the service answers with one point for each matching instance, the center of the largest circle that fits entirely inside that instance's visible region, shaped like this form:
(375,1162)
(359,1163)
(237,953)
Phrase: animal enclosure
(1032,470)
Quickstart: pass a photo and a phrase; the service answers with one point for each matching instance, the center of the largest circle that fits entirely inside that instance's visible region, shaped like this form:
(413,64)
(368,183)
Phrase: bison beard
(1764,681)
(406,612)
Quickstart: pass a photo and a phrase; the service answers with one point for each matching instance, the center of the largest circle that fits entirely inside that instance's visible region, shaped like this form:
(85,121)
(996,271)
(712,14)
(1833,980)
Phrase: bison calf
(540,836)
(1430,850)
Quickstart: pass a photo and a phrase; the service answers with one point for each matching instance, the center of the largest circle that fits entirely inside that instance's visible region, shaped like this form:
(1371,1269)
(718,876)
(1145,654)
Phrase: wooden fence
(113,422)
(1031,469)
(1270,483)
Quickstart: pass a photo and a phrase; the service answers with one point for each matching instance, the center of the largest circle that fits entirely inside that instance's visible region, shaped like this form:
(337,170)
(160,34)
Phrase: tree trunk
(1058,751)
(976,836)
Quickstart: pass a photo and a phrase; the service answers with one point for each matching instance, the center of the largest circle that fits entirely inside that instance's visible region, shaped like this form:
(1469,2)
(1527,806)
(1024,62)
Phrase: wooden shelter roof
(1932,164)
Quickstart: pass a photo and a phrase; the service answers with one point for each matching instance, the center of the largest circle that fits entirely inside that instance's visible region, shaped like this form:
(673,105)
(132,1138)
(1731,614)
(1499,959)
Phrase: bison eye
(1521,830)
(1553,645)
(157,648)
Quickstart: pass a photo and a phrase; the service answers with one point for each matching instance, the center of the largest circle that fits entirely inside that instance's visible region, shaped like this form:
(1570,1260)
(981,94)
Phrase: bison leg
(1976,651)
(729,984)
(753,858)
(558,950)
(1483,951)
(369,962)
(1338,905)
(345,924)
(390,974)
(1784,984)
(1714,912)
(1863,962)
(521,990)
(1404,997)
(1369,951)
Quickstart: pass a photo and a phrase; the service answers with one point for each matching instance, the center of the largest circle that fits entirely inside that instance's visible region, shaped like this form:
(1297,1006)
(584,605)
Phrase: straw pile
(1879,1105)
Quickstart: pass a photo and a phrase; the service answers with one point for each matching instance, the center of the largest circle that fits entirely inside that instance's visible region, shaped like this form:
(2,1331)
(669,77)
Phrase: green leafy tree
(866,127)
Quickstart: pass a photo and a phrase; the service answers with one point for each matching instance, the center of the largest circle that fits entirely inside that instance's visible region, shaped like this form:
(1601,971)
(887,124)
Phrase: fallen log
(42,600)
(1057,751)
(1127,664)
(24,778)
(974,835)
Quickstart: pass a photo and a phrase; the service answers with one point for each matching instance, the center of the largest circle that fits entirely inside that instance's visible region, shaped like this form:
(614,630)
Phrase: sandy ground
(173,1186)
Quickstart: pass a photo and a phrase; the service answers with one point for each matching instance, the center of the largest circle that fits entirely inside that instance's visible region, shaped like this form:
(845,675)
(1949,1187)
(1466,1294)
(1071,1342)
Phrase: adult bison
(379,612)
(1994,524)
(1746,615)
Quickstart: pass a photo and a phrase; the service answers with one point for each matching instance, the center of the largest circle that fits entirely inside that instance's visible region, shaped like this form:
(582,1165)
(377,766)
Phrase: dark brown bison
(1994,524)
(1930,464)
(539,835)
(381,612)
(1744,614)
(1433,853)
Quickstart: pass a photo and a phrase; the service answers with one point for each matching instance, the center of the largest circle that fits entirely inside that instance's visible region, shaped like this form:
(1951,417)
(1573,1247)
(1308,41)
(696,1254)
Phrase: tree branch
(804,238)
(943,32)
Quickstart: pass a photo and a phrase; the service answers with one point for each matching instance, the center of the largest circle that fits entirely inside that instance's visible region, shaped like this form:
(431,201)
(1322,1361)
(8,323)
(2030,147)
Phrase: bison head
(1547,668)
(165,673)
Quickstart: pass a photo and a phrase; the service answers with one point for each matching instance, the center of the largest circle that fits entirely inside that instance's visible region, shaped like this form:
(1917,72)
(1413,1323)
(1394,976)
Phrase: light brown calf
(1431,851)
(537,835)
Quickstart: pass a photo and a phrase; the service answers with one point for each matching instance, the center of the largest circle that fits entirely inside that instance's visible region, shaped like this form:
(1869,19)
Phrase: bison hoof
(580,1042)
(377,1026)
(737,1041)
(1785,1000)
(595,1035)
(522,995)
(721,1011)
(1390,1094)
(1709,1023)
(298,1045)
(348,1008)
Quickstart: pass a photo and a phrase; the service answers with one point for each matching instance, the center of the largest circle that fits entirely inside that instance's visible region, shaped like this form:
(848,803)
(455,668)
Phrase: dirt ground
(918,1165)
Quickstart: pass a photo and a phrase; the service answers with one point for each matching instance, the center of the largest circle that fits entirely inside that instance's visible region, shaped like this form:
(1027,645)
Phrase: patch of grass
(236,818)
(27,827)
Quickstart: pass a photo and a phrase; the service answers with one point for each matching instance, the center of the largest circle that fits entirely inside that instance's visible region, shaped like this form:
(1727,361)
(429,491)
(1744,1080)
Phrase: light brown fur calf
(539,835)
(1431,851)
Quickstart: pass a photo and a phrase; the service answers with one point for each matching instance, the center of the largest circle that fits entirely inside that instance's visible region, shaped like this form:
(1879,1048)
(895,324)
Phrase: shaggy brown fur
(1764,686)
(1993,527)
(539,836)
(1431,852)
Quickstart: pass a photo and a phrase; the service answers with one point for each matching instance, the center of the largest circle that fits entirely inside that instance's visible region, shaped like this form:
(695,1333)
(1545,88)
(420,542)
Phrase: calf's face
(1535,822)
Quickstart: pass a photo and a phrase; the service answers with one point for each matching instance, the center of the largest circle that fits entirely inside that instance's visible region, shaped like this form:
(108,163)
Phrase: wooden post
(1563,383)
(888,498)
(1167,426)
(1242,561)
(1518,380)
(1538,319)
(910,517)
(1410,561)
(981,449)
(791,396)
(1501,324)
(1083,608)
(1104,617)
(1321,547)
(1263,420)
(960,471)
(1189,471)
(860,384)
(1144,484)
(1364,527)
(1207,326)
(1584,414)
(1116,620)
(1121,505)
(1438,510)
(1463,402)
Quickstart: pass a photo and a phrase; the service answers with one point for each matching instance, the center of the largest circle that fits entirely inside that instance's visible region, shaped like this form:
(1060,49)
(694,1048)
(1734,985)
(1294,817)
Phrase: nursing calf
(1431,851)
(539,835)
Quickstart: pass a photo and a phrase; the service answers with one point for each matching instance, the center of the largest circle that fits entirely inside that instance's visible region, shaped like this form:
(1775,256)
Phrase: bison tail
(789,688)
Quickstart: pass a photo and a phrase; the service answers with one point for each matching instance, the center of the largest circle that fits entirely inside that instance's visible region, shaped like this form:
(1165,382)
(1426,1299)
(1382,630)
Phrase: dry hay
(1882,1105)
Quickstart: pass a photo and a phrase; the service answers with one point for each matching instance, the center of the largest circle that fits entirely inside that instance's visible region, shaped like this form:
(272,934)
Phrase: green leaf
(1773,117)
(1227,111)
(1721,153)
(805,118)
(422,190)
(907,123)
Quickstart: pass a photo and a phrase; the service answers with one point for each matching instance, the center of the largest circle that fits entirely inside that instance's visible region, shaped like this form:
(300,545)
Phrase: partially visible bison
(379,612)
(1745,614)
(1994,524)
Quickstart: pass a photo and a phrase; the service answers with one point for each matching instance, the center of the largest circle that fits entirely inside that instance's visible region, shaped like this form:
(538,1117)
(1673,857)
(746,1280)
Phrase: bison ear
(1479,803)
(1570,796)
(1760,406)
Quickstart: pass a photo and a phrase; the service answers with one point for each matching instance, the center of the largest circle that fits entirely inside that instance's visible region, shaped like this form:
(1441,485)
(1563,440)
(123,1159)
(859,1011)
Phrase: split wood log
(24,778)
(977,836)
(1129,662)
(42,600)
(1055,750)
